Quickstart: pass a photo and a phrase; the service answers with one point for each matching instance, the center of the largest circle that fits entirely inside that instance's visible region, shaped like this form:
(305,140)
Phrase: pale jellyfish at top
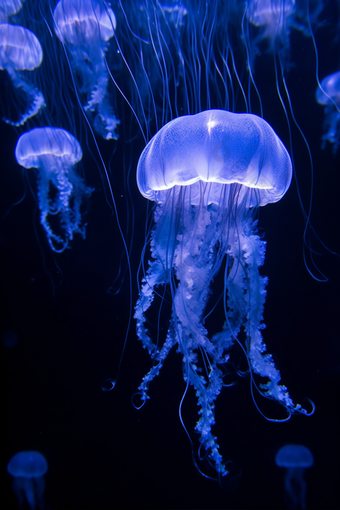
(295,458)
(207,174)
(85,27)
(54,152)
(9,8)
(273,19)
(28,470)
(329,96)
(20,50)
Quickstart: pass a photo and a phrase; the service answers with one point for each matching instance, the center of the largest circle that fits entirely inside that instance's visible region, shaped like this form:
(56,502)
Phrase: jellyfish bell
(54,152)
(272,19)
(27,464)
(294,456)
(28,469)
(328,94)
(329,90)
(20,51)
(85,27)
(81,21)
(207,174)
(295,459)
(214,158)
(269,12)
(271,16)
(8,8)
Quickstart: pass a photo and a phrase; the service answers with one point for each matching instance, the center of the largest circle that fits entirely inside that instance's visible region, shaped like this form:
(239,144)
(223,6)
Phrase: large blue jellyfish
(20,50)
(85,27)
(295,458)
(207,174)
(61,191)
(329,95)
(28,470)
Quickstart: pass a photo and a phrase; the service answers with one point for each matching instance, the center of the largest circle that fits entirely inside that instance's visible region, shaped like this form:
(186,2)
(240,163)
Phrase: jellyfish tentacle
(46,208)
(35,98)
(253,252)
(85,27)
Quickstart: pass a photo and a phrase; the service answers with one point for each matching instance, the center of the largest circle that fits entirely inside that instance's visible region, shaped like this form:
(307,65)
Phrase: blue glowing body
(54,152)
(207,174)
(295,459)
(85,27)
(20,51)
(28,470)
(273,19)
(8,8)
(329,96)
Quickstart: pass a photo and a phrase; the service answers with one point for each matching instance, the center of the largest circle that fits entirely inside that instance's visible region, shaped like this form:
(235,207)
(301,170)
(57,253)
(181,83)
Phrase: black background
(101,451)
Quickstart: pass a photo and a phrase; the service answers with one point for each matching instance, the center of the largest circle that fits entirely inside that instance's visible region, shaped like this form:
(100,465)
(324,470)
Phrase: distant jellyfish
(20,50)
(329,96)
(208,174)
(54,152)
(272,17)
(28,470)
(85,27)
(8,8)
(295,459)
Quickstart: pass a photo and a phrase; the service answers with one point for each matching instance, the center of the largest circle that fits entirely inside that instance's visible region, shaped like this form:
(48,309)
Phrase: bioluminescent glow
(197,95)
(85,27)
(54,152)
(207,174)
(28,470)
(8,8)
(295,458)
(329,96)
(20,51)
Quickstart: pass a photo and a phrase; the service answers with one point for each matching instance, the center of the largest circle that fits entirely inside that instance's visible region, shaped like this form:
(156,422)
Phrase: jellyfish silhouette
(28,470)
(8,8)
(61,191)
(208,173)
(329,95)
(295,459)
(272,19)
(84,27)
(20,50)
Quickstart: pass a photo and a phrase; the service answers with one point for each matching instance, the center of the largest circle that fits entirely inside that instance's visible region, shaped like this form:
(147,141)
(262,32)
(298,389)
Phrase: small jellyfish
(54,152)
(295,458)
(28,470)
(272,17)
(20,50)
(85,27)
(329,96)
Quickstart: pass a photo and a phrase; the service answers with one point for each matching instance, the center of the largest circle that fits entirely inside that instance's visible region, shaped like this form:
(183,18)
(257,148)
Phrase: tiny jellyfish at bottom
(295,459)
(28,470)
(329,96)
(54,151)
(20,50)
